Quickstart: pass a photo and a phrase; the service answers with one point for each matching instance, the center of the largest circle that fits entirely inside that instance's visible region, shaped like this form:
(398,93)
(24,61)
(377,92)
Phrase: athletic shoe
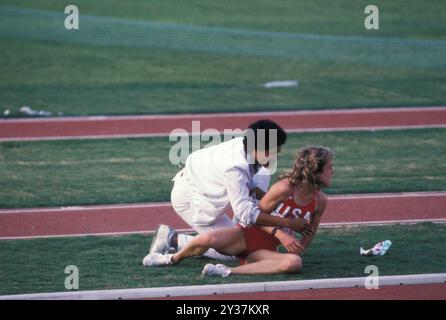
(161,239)
(156,259)
(219,270)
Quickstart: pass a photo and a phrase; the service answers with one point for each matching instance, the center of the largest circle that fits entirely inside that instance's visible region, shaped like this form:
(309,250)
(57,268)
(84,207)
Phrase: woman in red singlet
(297,194)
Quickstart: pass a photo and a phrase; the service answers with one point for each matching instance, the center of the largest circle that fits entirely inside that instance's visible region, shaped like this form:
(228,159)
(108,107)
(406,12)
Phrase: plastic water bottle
(385,245)
(378,249)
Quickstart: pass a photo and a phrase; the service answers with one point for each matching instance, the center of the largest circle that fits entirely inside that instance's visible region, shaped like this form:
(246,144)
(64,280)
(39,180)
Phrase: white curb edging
(277,286)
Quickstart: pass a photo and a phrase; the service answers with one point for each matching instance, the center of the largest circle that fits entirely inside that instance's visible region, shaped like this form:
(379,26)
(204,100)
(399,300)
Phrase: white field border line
(165,134)
(231,114)
(359,196)
(327,225)
(255,287)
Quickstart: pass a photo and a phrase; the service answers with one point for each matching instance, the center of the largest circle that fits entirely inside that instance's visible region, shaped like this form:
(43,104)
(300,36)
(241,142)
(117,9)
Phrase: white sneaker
(156,259)
(160,242)
(211,270)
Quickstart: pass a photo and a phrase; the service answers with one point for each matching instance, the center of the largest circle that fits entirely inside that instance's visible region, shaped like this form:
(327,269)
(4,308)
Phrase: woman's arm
(278,193)
(315,220)
(289,241)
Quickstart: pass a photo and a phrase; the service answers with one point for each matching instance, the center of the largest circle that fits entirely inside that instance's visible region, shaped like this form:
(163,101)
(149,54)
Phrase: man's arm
(297,224)
(248,212)
(257,192)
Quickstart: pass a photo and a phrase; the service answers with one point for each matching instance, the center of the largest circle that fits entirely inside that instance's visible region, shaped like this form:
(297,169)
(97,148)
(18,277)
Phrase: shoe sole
(204,273)
(155,236)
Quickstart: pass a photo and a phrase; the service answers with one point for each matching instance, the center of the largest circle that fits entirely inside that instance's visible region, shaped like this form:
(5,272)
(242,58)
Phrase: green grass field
(166,56)
(408,19)
(55,173)
(116,262)
(143,57)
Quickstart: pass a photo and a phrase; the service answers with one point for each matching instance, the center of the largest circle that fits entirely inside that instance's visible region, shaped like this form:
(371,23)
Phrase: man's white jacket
(220,176)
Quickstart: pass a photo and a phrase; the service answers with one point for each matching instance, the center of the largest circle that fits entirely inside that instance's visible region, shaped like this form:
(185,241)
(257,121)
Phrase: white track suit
(213,179)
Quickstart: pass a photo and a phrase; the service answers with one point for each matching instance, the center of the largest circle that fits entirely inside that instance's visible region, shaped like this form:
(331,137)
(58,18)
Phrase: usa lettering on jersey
(288,210)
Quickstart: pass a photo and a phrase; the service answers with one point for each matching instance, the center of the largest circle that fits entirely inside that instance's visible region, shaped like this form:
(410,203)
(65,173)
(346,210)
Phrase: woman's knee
(292,263)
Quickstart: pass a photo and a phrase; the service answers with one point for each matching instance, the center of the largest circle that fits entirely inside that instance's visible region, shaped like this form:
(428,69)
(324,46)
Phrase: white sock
(183,239)
(169,258)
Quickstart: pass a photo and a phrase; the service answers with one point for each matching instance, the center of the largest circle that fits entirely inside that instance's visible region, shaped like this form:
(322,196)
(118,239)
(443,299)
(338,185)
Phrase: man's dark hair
(260,130)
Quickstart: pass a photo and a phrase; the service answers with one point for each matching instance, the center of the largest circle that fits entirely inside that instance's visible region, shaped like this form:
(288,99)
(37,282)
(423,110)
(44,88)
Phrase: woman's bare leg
(229,241)
(269,262)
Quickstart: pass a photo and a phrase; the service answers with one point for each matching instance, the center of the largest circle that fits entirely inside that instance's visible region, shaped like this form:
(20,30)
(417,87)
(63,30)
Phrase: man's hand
(257,192)
(290,242)
(301,226)
(309,230)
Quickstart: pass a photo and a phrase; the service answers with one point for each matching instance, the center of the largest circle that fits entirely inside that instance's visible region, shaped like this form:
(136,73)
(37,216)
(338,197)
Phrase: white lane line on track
(165,134)
(361,196)
(232,288)
(231,114)
(378,223)
(103,234)
(89,207)
(167,204)
(150,232)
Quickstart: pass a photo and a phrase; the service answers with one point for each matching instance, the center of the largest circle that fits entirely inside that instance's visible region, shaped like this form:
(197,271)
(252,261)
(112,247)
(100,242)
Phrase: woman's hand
(290,242)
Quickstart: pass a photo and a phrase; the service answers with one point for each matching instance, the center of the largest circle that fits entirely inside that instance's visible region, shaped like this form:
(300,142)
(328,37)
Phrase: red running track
(145,217)
(404,292)
(161,125)
(90,220)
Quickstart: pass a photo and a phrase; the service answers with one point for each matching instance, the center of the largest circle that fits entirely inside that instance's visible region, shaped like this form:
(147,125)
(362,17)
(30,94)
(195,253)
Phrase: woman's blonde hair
(308,165)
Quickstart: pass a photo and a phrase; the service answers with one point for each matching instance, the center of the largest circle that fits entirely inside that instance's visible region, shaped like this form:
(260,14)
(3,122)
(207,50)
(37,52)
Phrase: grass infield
(80,172)
(31,266)
(208,56)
